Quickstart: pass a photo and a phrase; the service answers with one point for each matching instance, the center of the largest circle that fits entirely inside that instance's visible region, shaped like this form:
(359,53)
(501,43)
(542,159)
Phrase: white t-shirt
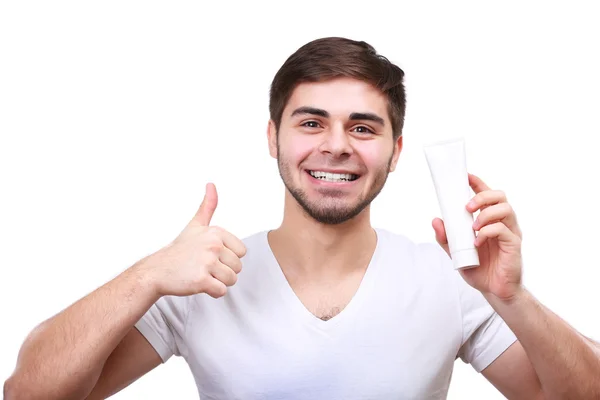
(411,318)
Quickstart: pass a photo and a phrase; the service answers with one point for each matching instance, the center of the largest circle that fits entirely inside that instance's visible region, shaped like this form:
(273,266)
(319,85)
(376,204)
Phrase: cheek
(297,148)
(373,157)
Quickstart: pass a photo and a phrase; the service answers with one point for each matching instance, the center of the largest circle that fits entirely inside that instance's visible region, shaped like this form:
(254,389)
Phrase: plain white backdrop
(115,114)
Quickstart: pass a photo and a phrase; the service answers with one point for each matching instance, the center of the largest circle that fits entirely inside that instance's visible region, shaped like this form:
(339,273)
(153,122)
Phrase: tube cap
(465,258)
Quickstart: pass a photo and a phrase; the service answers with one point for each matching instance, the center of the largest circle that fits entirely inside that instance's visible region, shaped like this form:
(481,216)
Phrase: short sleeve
(163,325)
(485,334)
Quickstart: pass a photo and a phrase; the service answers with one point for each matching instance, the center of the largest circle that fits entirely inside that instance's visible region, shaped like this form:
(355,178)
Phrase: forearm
(566,362)
(63,357)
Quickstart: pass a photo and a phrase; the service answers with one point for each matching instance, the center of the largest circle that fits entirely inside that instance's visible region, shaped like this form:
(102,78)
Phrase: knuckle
(214,260)
(214,248)
(200,283)
(210,259)
(237,266)
(232,279)
(239,251)
(214,234)
(214,244)
(217,292)
(215,230)
(486,230)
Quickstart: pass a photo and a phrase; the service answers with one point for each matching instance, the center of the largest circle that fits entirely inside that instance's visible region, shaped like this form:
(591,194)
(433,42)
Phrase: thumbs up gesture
(202,259)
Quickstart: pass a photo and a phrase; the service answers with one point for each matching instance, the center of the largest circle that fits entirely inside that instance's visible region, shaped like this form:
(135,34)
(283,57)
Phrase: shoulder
(431,265)
(423,265)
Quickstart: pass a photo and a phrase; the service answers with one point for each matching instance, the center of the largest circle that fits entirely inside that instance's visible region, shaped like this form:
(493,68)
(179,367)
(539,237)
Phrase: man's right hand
(101,355)
(202,259)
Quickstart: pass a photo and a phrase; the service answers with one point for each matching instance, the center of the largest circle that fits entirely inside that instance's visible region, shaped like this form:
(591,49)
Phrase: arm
(77,354)
(133,358)
(550,353)
(63,357)
(551,360)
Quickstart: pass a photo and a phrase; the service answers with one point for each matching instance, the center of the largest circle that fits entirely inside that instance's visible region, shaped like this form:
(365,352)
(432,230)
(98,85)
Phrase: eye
(363,129)
(310,124)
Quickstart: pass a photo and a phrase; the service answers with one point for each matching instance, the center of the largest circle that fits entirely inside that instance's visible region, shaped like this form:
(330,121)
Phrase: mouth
(332,176)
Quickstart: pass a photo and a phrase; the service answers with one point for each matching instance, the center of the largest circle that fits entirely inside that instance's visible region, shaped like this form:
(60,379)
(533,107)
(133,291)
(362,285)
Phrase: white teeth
(330,177)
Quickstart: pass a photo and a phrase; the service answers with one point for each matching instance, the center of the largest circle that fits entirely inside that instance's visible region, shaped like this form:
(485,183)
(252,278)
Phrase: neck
(312,248)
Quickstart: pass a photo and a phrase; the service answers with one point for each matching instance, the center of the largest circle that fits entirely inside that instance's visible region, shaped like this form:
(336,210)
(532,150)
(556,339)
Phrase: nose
(336,141)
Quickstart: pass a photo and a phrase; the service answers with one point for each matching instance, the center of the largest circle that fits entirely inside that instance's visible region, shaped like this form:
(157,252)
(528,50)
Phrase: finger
(485,199)
(209,204)
(224,274)
(233,243)
(477,184)
(498,231)
(440,231)
(502,212)
(440,234)
(215,288)
(230,259)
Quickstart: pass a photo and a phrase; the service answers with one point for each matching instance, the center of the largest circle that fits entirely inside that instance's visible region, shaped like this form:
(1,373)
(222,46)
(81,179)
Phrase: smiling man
(334,189)
(325,306)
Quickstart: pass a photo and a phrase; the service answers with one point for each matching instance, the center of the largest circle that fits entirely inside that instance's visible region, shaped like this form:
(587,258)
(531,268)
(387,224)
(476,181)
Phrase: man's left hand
(498,243)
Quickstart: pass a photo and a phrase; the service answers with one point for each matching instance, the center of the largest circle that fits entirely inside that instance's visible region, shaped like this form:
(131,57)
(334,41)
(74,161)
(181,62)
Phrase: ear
(272,138)
(396,155)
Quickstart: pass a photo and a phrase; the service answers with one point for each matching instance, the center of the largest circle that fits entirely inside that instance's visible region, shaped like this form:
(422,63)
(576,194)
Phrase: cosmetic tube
(448,167)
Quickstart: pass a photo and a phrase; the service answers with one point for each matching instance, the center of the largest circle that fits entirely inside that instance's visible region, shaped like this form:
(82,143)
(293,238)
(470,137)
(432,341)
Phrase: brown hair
(334,57)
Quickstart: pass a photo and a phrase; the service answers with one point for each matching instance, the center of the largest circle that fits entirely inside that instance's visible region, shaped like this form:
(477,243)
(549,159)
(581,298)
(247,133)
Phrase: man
(325,306)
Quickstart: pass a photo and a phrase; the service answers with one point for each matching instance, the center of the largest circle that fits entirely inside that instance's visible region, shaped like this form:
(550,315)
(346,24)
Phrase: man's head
(336,107)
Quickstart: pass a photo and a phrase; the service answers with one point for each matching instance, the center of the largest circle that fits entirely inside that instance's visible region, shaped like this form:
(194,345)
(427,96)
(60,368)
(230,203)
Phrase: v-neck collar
(299,310)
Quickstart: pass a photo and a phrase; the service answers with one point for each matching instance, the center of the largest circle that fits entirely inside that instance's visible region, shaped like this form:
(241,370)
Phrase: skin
(90,350)
(549,360)
(330,221)
(81,353)
(312,141)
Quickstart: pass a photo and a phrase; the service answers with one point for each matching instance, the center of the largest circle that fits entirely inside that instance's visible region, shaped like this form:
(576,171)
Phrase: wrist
(518,295)
(144,272)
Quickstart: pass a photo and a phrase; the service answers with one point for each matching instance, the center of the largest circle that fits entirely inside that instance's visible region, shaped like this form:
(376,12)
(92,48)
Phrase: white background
(114,115)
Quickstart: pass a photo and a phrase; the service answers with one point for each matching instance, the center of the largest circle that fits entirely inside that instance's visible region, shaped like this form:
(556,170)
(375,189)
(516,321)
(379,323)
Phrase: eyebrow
(353,116)
(311,110)
(368,117)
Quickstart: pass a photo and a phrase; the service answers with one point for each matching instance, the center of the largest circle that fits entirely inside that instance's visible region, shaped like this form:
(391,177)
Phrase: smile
(333,177)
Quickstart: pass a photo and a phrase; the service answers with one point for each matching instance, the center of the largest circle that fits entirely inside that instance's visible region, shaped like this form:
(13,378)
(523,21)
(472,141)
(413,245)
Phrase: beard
(331,209)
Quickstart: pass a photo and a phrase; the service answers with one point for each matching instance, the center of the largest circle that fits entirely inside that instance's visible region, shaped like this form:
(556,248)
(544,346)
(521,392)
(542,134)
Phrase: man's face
(335,147)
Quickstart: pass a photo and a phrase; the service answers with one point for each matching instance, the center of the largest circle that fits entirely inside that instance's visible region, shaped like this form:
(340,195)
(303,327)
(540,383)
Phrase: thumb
(440,234)
(209,204)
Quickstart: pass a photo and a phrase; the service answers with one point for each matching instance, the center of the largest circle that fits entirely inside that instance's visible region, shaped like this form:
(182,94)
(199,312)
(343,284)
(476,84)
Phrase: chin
(329,211)
(332,217)
(331,203)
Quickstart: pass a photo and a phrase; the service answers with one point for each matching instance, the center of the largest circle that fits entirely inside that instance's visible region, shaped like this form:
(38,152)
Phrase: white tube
(448,167)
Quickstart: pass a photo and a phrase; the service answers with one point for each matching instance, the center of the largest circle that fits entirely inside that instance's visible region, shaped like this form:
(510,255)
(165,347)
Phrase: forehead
(340,97)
